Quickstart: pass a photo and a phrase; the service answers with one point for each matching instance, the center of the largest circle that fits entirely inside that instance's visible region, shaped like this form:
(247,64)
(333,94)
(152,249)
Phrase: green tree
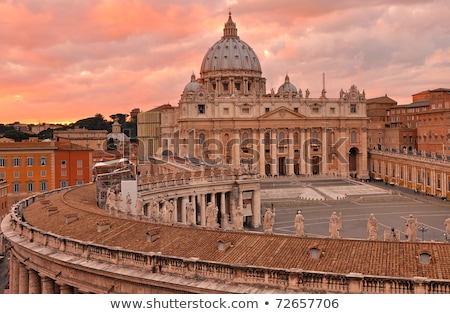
(97,122)
(15,135)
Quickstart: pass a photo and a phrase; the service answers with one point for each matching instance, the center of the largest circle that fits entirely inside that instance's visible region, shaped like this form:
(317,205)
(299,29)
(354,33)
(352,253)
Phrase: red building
(73,164)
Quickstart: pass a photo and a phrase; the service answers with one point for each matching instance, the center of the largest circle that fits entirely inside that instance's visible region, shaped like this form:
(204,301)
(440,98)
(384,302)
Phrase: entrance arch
(315,164)
(353,160)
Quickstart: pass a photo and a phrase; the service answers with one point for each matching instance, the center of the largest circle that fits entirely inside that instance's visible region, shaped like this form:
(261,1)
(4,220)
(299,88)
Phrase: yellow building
(28,167)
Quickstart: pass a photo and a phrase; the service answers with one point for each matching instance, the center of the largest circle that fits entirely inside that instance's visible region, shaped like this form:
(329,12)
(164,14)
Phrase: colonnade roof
(376,258)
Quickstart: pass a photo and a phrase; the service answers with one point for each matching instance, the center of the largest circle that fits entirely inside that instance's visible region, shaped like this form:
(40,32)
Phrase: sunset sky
(64,60)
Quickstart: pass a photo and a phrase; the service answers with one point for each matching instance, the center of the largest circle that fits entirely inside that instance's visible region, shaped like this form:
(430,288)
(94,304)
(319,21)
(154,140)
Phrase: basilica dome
(287,88)
(193,85)
(230,53)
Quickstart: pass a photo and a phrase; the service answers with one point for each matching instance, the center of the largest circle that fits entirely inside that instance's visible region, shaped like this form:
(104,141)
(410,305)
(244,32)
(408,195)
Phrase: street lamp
(423,229)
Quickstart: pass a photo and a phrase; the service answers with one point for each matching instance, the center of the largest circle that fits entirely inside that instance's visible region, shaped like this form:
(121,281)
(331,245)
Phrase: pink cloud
(66,60)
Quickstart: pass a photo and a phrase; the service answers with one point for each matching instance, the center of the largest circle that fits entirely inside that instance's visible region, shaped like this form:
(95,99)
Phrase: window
(315,253)
(16,162)
(43,161)
(63,164)
(353,108)
(353,136)
(16,187)
(30,161)
(80,172)
(225,86)
(2,162)
(226,111)
(425,258)
(30,186)
(79,163)
(43,173)
(43,186)
(80,182)
(245,110)
(63,184)
(267,109)
(16,174)
(315,110)
(63,173)
(2,175)
(295,138)
(296,109)
(332,110)
(29,174)
(201,109)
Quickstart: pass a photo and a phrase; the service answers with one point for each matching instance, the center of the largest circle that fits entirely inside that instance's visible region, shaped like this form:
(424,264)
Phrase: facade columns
(290,160)
(202,209)
(184,202)
(262,152)
(273,152)
(223,213)
(236,149)
(324,152)
(303,151)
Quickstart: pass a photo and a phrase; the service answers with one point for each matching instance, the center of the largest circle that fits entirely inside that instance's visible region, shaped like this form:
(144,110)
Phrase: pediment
(282,113)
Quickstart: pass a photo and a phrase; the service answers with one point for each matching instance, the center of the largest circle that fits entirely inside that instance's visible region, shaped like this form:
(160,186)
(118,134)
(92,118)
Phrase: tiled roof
(377,258)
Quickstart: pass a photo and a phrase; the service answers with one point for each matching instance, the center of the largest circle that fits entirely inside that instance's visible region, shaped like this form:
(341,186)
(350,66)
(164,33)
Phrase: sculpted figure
(190,212)
(307,93)
(211,215)
(299,224)
(119,200)
(170,211)
(334,226)
(411,228)
(372,227)
(128,202)
(138,205)
(269,219)
(154,210)
(238,219)
(447,226)
(111,199)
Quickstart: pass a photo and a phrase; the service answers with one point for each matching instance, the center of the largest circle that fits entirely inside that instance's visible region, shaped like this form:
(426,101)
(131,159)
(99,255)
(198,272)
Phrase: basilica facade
(226,117)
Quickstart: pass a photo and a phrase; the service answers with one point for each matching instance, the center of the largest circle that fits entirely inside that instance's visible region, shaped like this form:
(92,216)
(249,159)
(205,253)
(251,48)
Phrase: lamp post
(423,229)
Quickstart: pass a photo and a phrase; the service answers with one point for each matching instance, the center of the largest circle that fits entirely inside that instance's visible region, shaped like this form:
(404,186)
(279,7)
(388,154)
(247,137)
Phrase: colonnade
(25,280)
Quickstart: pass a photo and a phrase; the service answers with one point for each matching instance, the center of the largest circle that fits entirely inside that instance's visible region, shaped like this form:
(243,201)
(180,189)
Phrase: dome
(287,88)
(193,85)
(230,53)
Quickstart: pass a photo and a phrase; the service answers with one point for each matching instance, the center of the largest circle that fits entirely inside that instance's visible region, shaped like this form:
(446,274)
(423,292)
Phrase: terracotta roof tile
(380,258)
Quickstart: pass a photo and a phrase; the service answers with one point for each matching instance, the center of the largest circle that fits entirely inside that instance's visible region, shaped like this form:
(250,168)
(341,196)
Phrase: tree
(94,123)
(15,135)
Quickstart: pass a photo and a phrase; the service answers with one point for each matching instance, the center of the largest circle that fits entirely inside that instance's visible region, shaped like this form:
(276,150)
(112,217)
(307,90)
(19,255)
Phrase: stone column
(65,289)
(23,279)
(290,159)
(48,285)
(184,202)
(273,152)
(236,149)
(324,149)
(256,208)
(34,282)
(262,153)
(14,265)
(303,151)
(223,212)
(202,210)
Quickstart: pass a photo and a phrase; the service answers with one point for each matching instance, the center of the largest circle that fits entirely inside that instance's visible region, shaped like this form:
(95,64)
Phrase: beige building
(226,117)
(94,139)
